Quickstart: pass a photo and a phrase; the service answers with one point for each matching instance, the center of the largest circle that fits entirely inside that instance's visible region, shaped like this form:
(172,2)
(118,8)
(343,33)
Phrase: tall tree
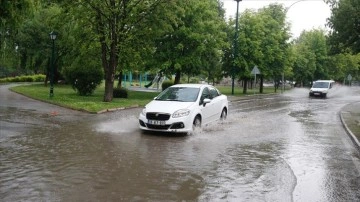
(275,46)
(345,26)
(311,54)
(12,13)
(33,39)
(199,35)
(120,26)
(262,42)
(344,64)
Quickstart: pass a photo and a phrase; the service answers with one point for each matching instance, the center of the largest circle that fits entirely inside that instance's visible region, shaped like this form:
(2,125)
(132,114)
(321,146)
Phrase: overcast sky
(303,15)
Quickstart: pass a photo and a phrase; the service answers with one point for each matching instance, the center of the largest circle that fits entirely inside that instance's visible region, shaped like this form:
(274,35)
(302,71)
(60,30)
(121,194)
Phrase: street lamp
(235,46)
(53,36)
(287,9)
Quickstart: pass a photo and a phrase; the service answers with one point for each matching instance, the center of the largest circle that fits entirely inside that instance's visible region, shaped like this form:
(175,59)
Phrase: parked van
(321,88)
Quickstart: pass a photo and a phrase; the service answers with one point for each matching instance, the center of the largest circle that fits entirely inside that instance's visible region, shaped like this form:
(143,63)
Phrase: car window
(182,94)
(214,93)
(321,84)
(205,94)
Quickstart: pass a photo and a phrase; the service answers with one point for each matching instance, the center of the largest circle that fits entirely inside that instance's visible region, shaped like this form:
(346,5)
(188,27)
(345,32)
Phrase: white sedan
(183,107)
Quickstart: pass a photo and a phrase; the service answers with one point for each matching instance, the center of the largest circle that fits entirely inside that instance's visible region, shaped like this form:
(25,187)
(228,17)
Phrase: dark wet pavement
(278,148)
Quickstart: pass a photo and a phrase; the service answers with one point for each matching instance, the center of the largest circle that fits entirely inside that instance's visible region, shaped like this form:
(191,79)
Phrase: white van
(321,88)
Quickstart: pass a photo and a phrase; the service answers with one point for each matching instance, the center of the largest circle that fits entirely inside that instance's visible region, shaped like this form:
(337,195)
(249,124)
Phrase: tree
(33,41)
(119,26)
(311,61)
(188,45)
(343,64)
(275,47)
(262,42)
(304,64)
(12,13)
(344,22)
(251,34)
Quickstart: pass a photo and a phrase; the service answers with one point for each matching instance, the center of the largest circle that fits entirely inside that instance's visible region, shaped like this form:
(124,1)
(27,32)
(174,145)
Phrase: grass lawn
(65,96)
(354,126)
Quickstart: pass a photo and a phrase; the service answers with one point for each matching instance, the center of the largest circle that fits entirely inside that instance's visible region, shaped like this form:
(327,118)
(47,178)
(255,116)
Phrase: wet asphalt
(271,148)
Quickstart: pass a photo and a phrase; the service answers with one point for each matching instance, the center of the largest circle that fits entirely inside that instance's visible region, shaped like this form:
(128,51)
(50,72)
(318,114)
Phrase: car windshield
(321,85)
(182,94)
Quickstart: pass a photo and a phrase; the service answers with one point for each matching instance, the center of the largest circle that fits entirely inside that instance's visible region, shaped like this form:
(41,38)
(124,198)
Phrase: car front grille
(158,127)
(158,116)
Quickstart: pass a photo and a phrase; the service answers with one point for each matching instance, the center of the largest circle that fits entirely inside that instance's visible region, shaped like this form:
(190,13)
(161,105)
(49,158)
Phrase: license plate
(155,122)
(316,93)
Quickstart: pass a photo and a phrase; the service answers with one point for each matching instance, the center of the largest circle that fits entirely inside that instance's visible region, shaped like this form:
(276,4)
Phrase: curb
(348,131)
(116,109)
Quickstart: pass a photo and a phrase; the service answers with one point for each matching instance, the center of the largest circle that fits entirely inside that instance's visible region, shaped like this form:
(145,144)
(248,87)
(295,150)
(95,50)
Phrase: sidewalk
(350,117)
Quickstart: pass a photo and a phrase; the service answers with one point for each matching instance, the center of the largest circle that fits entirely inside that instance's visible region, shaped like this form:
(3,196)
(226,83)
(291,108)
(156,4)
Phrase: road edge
(348,131)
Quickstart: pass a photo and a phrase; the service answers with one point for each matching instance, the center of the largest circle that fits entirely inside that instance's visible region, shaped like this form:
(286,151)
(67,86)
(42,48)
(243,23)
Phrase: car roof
(192,85)
(324,81)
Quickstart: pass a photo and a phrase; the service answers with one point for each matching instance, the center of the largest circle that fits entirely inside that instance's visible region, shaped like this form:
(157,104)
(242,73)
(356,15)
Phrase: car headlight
(181,113)
(143,112)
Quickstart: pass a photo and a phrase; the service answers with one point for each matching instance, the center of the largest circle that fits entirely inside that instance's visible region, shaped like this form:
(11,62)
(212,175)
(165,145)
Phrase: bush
(39,78)
(84,79)
(27,78)
(15,79)
(120,93)
(166,84)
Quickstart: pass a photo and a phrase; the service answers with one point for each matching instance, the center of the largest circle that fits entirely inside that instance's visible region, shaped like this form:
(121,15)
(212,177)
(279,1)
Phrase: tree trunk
(109,86)
(245,86)
(109,66)
(177,77)
(120,79)
(261,90)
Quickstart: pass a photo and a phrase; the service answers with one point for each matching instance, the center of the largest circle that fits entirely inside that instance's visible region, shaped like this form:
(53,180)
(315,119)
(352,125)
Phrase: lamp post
(235,46)
(287,9)
(53,36)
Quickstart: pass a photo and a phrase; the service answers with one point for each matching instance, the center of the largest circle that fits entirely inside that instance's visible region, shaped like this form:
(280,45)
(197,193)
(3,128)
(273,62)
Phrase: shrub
(83,79)
(166,84)
(25,78)
(120,93)
(15,79)
(39,77)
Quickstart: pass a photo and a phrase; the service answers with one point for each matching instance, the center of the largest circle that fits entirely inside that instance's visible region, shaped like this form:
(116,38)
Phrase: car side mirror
(205,101)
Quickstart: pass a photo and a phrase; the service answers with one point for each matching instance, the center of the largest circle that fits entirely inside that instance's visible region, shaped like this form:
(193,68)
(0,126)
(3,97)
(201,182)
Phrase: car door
(216,104)
(206,109)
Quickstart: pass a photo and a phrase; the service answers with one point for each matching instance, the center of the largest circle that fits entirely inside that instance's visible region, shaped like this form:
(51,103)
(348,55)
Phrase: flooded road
(277,148)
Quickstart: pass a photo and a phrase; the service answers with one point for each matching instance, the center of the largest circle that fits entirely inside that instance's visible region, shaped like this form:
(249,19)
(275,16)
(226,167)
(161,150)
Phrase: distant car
(183,107)
(321,88)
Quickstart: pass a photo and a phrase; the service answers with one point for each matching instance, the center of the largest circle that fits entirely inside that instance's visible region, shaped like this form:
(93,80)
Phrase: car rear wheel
(223,115)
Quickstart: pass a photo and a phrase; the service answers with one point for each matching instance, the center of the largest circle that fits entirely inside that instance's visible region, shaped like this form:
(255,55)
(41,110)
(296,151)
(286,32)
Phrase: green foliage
(25,78)
(311,61)
(166,84)
(341,65)
(194,42)
(120,93)
(345,26)
(84,78)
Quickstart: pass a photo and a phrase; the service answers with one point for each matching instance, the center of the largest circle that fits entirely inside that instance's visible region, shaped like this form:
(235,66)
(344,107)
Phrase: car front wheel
(223,115)
(197,122)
